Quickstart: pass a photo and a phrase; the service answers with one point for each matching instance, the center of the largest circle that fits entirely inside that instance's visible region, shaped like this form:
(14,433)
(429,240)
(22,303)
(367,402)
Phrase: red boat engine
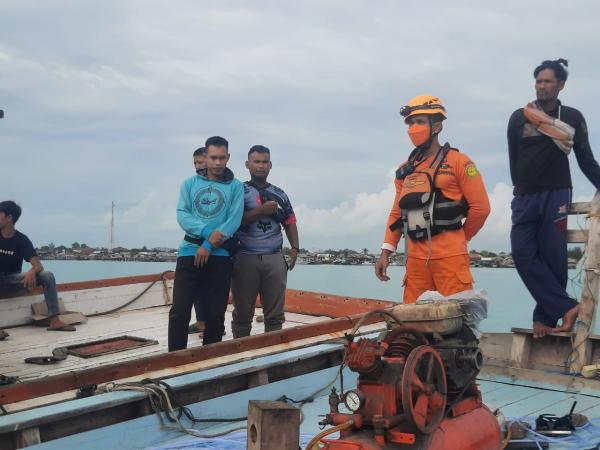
(416,390)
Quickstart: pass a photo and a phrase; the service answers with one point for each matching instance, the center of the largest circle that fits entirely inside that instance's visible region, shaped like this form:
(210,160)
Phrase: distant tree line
(51,248)
(575,253)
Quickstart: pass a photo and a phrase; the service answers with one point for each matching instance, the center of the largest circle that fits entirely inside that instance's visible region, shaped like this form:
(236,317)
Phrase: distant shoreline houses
(104,254)
(346,257)
(397,259)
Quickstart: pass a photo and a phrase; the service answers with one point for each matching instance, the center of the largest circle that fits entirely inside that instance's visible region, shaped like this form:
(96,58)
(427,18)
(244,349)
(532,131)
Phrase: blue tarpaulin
(232,441)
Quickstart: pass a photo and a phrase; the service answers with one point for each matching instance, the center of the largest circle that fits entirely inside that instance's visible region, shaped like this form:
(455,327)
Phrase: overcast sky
(106,101)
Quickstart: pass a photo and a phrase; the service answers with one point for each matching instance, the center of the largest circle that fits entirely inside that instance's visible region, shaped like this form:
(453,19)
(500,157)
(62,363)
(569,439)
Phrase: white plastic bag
(473,303)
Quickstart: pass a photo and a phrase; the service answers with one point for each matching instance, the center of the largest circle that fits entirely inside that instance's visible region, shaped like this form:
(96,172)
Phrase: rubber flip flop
(192,329)
(58,354)
(6,380)
(63,328)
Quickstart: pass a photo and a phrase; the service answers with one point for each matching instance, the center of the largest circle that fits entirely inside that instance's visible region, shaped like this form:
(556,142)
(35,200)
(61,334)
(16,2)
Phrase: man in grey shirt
(259,266)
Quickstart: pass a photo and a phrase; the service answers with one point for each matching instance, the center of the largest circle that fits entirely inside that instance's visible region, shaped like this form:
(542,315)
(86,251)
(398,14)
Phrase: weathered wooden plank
(28,437)
(541,380)
(591,409)
(145,432)
(563,405)
(586,321)
(507,395)
(580,208)
(300,361)
(258,378)
(16,311)
(496,348)
(519,401)
(149,323)
(316,303)
(543,401)
(577,236)
(488,386)
(519,350)
(247,357)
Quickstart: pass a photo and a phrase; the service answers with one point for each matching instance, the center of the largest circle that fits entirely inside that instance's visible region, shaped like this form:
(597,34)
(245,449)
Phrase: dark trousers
(199,310)
(539,249)
(211,285)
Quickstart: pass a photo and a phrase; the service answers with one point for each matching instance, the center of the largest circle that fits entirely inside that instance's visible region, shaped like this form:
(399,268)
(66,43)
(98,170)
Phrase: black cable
(160,403)
(184,410)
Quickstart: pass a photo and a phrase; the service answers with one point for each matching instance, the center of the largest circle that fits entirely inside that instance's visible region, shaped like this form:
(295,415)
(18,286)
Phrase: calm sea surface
(510,303)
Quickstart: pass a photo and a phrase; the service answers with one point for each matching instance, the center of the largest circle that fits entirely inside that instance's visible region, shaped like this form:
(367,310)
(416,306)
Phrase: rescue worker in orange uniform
(440,204)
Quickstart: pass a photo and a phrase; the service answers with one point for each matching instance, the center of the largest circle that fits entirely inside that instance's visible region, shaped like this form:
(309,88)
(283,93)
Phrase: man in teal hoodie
(210,210)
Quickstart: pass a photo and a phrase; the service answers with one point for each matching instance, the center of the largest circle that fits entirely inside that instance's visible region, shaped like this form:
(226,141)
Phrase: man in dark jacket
(539,167)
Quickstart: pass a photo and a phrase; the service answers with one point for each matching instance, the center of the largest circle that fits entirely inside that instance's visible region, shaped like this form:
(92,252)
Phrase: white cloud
(360,222)
(495,234)
(106,101)
(357,223)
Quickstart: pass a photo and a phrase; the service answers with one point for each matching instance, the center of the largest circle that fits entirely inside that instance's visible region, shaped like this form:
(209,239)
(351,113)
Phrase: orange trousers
(446,275)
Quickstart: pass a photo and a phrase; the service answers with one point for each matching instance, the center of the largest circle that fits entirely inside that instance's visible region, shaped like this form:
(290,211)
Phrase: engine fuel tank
(475,430)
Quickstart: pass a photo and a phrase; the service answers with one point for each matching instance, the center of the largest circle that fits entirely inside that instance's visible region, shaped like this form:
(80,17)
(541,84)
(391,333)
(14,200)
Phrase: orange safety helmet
(423,104)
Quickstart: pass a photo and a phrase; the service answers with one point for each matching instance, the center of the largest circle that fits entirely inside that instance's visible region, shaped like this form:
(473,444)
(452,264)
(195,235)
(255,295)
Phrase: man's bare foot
(568,321)
(540,330)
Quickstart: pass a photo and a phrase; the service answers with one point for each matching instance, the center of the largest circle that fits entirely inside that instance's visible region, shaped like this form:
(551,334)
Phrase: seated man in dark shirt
(16,247)
(539,168)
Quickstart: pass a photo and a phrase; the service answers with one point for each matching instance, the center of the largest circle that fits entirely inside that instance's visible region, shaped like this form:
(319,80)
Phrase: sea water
(510,304)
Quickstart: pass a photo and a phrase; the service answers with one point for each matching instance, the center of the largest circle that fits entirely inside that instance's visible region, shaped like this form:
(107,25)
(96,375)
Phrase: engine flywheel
(424,388)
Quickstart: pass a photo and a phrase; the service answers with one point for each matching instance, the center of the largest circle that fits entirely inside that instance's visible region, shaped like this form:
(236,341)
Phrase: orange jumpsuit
(448,269)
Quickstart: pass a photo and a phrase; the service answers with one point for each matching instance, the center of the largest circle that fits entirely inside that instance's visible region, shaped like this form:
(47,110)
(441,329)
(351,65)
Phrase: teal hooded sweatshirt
(207,205)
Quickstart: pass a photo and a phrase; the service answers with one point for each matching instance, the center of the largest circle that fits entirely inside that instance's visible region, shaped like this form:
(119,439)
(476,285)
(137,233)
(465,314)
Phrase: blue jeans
(539,249)
(13,282)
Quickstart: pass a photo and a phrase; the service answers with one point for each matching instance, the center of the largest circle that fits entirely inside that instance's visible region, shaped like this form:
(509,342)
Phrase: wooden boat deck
(521,377)
(513,401)
(525,401)
(148,323)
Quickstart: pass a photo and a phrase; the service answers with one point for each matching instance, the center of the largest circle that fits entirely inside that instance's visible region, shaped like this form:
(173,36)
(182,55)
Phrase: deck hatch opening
(107,346)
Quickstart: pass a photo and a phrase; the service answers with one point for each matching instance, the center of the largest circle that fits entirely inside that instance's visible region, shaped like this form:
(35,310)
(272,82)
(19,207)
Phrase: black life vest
(426,212)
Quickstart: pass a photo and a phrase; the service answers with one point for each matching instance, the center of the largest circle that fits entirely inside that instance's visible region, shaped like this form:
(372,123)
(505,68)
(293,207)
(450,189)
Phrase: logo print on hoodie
(209,202)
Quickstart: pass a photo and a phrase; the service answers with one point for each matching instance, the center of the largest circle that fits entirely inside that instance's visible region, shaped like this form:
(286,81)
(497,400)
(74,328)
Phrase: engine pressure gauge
(354,400)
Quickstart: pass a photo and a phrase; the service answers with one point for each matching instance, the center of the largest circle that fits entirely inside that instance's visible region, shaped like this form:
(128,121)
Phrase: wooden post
(273,426)
(259,378)
(28,437)
(586,321)
(519,350)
